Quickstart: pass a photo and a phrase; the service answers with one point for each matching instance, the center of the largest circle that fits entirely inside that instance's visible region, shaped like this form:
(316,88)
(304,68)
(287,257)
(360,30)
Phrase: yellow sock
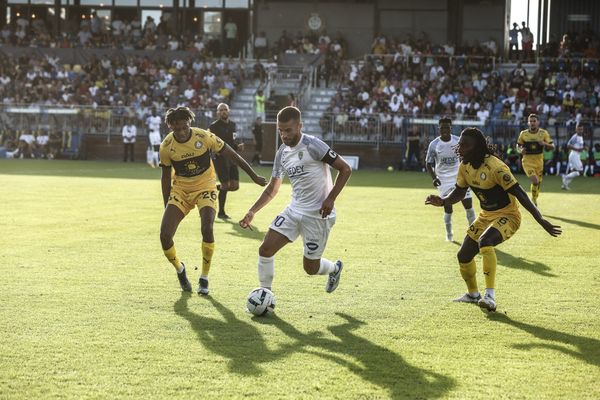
(468,270)
(535,191)
(489,266)
(171,255)
(207,252)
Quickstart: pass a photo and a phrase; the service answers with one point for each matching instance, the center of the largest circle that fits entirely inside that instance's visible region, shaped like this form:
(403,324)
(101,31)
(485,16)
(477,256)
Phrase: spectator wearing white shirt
(129,133)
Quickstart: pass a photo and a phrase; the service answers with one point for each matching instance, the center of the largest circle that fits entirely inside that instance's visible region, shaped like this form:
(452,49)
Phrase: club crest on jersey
(482,176)
(198,145)
(300,155)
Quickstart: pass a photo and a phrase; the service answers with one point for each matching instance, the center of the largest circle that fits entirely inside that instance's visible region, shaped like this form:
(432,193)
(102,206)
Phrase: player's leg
(501,230)
(207,221)
(315,233)
(576,166)
(222,169)
(272,243)
(283,230)
(448,221)
(467,203)
(172,217)
(445,188)
(466,259)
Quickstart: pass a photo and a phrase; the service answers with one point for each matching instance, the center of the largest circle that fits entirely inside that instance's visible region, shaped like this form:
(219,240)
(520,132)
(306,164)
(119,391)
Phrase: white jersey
(310,177)
(444,157)
(577,142)
(153,123)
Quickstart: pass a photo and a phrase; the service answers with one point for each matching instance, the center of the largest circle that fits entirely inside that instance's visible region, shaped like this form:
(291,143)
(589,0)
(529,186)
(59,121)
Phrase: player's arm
(266,196)
(228,152)
(457,194)
(344,172)
(517,191)
(165,181)
(547,142)
(431,169)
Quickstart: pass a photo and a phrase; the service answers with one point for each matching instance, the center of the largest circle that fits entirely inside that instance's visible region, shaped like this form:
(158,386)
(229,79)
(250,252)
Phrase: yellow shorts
(186,201)
(533,167)
(507,225)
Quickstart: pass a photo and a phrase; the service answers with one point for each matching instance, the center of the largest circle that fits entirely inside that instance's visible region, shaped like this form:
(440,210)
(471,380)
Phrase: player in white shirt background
(154,138)
(442,164)
(575,144)
(305,159)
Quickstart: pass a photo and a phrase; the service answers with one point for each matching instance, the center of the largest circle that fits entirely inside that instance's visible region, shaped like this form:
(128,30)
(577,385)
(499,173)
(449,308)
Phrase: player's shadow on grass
(583,224)
(510,261)
(238,341)
(371,362)
(238,231)
(586,349)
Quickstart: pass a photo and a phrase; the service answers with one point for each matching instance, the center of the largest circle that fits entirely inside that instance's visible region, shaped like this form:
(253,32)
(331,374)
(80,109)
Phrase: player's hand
(434,200)
(260,180)
(326,208)
(436,182)
(553,230)
(245,222)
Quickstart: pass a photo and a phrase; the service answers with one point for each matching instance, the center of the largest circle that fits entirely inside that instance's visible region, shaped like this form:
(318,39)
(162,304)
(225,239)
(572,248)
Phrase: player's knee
(207,233)
(233,187)
(486,241)
(265,251)
(165,238)
(464,257)
(311,266)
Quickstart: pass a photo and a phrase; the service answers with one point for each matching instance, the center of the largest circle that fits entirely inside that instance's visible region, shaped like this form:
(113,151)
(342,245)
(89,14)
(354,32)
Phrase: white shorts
(447,187)
(314,231)
(575,163)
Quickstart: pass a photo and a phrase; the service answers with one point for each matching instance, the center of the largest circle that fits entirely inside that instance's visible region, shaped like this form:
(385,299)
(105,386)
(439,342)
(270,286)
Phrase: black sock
(222,198)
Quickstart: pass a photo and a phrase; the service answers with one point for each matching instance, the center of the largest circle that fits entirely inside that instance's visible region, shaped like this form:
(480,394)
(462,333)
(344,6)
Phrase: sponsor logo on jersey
(297,170)
(187,155)
(482,176)
(506,178)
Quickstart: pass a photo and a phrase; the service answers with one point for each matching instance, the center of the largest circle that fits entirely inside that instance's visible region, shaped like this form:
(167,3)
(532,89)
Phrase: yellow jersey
(191,159)
(490,183)
(533,150)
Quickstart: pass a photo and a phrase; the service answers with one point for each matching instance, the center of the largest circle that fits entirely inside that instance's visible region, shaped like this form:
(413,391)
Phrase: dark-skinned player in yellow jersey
(498,192)
(193,185)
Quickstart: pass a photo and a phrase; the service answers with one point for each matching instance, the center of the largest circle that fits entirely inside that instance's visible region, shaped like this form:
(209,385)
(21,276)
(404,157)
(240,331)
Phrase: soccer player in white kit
(575,144)
(305,159)
(153,122)
(442,164)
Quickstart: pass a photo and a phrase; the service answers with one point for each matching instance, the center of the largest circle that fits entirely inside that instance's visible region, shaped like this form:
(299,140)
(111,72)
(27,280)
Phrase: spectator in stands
(412,161)
(527,43)
(129,133)
(259,104)
(231,38)
(513,42)
(261,45)
(40,145)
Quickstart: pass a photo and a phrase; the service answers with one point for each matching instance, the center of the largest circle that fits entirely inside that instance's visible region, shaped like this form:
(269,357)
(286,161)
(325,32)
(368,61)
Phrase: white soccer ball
(261,301)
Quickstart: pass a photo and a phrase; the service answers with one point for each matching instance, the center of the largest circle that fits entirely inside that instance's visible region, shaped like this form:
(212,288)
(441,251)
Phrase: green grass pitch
(90,308)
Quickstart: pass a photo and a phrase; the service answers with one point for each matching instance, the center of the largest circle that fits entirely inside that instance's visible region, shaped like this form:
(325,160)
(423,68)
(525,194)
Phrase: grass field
(90,308)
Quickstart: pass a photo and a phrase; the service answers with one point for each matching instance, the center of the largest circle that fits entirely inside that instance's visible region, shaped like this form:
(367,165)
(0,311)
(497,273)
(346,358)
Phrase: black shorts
(226,169)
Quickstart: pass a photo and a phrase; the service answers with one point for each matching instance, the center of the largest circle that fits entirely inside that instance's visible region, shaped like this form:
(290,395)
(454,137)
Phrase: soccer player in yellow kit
(193,184)
(531,143)
(498,192)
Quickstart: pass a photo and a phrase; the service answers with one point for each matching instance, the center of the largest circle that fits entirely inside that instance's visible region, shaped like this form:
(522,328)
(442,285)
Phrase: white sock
(204,277)
(266,271)
(448,222)
(180,269)
(470,215)
(475,294)
(490,293)
(327,267)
